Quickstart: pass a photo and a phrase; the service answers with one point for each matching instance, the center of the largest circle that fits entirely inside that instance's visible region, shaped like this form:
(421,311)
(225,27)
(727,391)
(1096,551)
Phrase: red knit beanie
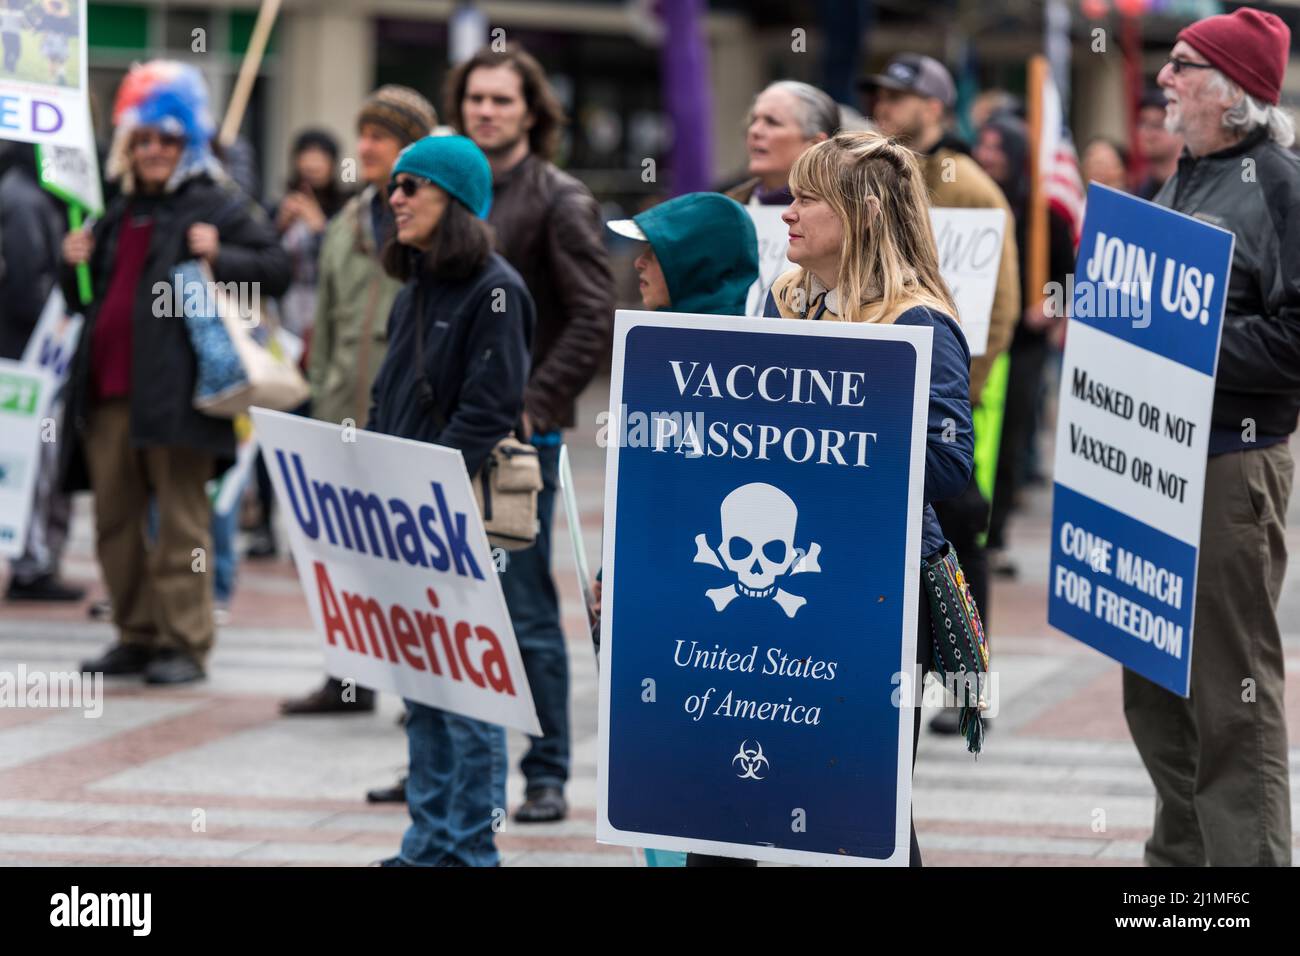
(1248,46)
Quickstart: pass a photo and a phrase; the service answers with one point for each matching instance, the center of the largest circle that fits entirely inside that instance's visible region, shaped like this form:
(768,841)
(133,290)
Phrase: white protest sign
(24,397)
(43,96)
(970,254)
(396,567)
(53,344)
(773,241)
(72,174)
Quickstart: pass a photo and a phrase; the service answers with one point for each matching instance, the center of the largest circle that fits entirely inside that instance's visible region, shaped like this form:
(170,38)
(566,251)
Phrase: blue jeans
(535,613)
(456,789)
(224,529)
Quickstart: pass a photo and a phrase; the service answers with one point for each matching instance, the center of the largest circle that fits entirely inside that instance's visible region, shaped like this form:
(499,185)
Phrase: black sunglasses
(1179,65)
(407,186)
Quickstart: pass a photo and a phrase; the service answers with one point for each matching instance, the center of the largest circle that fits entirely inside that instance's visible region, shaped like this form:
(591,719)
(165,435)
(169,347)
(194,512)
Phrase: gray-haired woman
(787,118)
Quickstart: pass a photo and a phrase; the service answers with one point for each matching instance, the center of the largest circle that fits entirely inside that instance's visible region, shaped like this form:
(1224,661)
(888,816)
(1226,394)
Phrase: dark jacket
(475,361)
(31,229)
(549,227)
(162,359)
(1259,355)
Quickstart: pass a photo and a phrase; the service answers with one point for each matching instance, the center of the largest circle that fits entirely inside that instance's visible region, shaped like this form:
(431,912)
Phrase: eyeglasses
(146,138)
(407,186)
(1179,65)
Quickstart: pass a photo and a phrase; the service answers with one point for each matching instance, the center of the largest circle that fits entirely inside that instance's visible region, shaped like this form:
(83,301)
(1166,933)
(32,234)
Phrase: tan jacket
(742,192)
(350,335)
(796,300)
(968,186)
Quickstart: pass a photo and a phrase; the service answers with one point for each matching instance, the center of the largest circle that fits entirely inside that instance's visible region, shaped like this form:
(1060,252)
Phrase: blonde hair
(888,262)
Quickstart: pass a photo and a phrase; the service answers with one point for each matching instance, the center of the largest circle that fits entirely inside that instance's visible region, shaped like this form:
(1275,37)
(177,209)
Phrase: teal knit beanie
(453,163)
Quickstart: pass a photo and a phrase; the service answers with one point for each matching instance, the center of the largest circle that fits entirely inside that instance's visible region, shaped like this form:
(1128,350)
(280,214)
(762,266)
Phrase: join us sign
(761,574)
(396,567)
(1133,429)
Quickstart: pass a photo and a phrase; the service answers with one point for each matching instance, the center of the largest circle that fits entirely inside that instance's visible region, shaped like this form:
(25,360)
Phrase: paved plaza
(212,775)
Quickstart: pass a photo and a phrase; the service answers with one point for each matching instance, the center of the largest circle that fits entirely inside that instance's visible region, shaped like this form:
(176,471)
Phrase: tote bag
(234,371)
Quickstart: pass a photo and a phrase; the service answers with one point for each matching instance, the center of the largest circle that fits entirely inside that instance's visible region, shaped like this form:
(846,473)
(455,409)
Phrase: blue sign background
(1179,339)
(1140,539)
(670,774)
(1165,233)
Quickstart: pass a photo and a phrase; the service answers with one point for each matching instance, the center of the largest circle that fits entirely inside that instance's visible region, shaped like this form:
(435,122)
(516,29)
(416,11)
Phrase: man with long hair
(548,226)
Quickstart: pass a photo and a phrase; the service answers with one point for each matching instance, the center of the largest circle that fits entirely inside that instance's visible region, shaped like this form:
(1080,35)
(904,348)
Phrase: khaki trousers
(161,592)
(1218,759)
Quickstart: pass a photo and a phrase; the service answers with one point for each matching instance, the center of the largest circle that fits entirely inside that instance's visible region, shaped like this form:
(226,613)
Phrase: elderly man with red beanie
(1218,758)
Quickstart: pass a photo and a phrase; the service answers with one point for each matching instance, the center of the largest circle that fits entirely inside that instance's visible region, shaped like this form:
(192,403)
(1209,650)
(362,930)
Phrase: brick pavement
(211,775)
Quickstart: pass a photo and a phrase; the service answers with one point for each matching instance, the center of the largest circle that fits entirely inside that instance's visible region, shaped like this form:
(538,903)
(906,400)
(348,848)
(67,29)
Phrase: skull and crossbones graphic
(758,529)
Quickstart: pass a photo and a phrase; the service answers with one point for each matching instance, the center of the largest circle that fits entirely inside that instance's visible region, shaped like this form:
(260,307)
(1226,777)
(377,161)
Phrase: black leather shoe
(948,722)
(173,667)
(328,699)
(394,794)
(945,722)
(45,588)
(261,546)
(544,805)
(119,660)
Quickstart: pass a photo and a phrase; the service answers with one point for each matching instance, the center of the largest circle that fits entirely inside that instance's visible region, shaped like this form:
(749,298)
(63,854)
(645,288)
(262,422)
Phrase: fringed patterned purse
(961,653)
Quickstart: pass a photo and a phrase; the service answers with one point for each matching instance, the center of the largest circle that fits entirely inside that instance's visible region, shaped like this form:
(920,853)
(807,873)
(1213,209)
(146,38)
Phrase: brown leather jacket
(548,226)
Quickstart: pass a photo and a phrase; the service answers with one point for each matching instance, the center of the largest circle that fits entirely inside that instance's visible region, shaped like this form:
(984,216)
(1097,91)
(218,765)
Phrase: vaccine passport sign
(761,580)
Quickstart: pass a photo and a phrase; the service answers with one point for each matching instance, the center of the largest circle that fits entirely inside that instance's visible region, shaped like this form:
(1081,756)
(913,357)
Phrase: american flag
(1058,162)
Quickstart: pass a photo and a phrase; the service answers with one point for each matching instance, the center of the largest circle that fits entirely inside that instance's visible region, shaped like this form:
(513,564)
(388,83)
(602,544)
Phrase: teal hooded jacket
(708,250)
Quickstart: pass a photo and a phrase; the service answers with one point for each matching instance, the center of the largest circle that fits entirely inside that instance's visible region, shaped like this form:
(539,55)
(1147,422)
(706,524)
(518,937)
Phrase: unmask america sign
(396,568)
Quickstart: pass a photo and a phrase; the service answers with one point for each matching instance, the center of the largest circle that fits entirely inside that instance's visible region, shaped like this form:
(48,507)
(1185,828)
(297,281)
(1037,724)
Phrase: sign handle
(84,289)
(252,61)
(575,538)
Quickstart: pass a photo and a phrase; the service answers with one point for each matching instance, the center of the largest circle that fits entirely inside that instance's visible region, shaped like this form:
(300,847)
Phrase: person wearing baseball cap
(911,100)
(915,74)
(1218,758)
(353,299)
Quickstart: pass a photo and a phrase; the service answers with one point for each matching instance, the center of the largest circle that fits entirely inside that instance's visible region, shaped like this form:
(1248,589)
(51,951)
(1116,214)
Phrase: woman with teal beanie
(460,333)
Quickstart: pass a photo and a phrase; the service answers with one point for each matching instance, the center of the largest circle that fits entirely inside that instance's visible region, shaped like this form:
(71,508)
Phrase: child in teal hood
(702,255)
